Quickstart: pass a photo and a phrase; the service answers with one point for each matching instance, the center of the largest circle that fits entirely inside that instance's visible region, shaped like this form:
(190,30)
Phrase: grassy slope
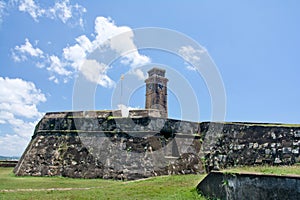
(167,187)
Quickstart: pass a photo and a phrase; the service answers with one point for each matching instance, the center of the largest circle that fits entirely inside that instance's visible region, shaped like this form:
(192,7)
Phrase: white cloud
(85,43)
(22,128)
(18,110)
(139,73)
(2,8)
(105,29)
(18,58)
(21,109)
(20,97)
(21,52)
(191,55)
(96,72)
(6,116)
(120,106)
(13,144)
(73,58)
(125,109)
(75,54)
(63,10)
(122,43)
(31,8)
(54,79)
(57,66)
(134,59)
(190,67)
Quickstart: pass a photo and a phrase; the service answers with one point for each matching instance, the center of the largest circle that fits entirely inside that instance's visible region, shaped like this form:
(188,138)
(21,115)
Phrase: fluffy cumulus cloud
(108,37)
(18,111)
(55,66)
(138,73)
(191,55)
(31,8)
(96,72)
(120,39)
(109,40)
(75,55)
(62,10)
(20,97)
(21,52)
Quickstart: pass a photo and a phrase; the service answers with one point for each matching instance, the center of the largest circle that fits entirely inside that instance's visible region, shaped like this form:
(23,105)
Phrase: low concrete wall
(249,186)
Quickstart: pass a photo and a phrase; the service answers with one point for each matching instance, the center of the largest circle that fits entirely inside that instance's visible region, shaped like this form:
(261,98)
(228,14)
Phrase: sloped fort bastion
(102,144)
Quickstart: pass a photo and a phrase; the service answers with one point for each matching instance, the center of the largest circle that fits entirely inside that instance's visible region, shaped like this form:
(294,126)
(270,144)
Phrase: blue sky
(47,46)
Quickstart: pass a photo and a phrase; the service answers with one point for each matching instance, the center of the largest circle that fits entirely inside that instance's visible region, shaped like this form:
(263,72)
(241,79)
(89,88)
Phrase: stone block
(286,143)
(286,150)
(296,143)
(268,151)
(273,145)
(297,159)
(297,134)
(250,145)
(265,145)
(277,161)
(273,135)
(295,151)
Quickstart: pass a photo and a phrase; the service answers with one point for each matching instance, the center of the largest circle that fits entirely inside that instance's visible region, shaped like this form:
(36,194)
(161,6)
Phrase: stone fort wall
(102,144)
(249,144)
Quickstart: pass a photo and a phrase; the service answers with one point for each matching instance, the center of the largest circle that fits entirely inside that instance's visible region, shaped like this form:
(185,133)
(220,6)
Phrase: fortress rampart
(102,144)
(99,144)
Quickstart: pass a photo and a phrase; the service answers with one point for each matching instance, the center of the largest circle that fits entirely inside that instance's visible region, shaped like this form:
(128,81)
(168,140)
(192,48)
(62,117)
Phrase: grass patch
(263,124)
(165,187)
(277,170)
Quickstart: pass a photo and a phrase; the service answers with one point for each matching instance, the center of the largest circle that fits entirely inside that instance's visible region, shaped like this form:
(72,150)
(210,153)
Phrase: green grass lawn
(277,170)
(166,187)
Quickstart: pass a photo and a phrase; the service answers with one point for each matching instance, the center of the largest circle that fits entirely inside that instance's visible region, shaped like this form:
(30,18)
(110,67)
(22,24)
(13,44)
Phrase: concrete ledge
(249,186)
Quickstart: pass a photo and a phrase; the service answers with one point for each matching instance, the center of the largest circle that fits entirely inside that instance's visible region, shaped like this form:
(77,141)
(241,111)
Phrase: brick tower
(156,91)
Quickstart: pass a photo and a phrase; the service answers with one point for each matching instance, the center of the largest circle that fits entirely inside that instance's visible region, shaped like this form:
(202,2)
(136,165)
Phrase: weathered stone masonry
(100,144)
(251,144)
